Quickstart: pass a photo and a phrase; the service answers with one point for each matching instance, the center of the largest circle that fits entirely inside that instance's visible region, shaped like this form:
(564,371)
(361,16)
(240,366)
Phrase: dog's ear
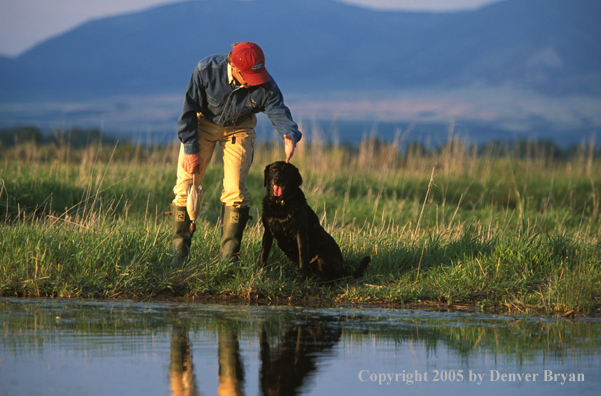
(299,179)
(266,176)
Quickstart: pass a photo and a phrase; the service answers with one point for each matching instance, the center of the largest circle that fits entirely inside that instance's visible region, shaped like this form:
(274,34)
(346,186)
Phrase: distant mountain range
(318,47)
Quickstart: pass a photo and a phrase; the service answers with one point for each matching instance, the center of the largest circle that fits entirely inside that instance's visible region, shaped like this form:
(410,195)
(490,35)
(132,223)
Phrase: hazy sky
(24,23)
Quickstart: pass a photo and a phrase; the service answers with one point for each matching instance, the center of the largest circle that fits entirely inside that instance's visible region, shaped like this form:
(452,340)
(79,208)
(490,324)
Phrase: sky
(24,23)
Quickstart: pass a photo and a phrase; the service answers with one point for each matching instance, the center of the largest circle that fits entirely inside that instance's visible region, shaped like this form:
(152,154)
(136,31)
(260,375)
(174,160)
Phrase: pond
(91,347)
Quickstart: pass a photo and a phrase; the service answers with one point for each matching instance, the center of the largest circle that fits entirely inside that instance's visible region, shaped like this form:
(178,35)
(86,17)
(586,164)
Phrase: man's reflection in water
(285,367)
(231,372)
(181,372)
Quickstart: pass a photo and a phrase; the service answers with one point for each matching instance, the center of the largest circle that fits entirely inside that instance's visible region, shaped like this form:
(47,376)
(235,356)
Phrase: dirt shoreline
(315,302)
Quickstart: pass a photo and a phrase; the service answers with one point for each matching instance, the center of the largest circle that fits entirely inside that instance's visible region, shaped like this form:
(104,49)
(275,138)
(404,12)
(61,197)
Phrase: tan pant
(238,148)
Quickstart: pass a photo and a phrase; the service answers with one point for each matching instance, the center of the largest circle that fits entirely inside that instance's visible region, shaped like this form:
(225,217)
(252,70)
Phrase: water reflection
(231,370)
(181,370)
(286,365)
(72,347)
(286,360)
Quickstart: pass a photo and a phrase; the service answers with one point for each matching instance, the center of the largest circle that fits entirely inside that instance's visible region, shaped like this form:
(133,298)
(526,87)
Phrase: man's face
(238,76)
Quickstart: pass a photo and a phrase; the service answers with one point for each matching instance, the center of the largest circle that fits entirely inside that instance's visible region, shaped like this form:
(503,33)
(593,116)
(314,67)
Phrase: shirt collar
(230,77)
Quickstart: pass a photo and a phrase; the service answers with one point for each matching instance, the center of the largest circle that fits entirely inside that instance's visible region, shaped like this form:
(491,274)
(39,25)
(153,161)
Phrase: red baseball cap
(249,59)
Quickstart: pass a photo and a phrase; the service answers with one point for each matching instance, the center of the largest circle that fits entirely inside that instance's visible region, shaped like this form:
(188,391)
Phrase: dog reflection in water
(181,372)
(286,360)
(294,358)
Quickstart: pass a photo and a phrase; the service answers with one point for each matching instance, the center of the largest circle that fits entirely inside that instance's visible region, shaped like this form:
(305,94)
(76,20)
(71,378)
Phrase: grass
(511,228)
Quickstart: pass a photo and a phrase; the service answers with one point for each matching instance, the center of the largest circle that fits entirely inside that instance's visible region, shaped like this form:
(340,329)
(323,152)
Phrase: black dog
(295,227)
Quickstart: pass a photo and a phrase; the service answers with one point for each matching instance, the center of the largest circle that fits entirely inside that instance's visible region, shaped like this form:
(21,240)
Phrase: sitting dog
(289,220)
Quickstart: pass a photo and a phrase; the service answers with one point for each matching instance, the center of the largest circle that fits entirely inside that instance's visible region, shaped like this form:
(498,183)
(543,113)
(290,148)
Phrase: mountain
(320,45)
(527,66)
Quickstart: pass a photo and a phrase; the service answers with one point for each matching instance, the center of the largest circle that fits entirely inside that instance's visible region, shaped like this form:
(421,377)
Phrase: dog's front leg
(302,238)
(265,247)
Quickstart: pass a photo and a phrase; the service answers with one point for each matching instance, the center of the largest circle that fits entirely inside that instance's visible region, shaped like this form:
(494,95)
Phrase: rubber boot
(233,224)
(182,239)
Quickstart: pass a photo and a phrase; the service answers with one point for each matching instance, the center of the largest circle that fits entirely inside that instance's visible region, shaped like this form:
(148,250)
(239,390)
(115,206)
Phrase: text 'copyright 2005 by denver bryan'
(416,376)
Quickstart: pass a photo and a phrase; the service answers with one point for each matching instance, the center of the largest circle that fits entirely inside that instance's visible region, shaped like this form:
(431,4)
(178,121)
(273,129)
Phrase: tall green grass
(501,228)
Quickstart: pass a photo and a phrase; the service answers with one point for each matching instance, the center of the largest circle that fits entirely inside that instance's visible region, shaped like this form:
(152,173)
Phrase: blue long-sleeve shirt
(225,103)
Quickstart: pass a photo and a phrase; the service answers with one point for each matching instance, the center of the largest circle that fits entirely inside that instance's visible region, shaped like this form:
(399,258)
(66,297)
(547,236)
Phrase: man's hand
(191,163)
(289,145)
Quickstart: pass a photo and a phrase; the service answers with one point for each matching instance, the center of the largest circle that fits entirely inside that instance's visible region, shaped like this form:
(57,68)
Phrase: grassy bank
(515,229)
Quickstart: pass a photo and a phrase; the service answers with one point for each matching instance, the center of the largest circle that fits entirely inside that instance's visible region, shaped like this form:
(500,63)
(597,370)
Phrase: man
(223,96)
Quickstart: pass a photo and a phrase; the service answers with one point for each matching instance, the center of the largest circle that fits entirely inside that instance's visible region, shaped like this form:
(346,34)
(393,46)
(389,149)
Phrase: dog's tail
(362,267)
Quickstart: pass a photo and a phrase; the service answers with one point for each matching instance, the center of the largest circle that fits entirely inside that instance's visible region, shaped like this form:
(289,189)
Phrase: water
(87,347)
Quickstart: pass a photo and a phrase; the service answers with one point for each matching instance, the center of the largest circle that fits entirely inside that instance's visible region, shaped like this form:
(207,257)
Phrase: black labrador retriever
(295,227)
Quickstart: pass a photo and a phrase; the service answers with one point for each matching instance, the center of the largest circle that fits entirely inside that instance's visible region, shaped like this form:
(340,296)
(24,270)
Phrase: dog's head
(281,179)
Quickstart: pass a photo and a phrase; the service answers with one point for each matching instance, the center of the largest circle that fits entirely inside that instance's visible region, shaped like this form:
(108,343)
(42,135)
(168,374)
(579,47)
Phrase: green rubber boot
(182,239)
(233,224)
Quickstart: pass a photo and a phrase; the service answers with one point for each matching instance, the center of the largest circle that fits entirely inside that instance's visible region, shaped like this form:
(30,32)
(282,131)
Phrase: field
(503,227)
